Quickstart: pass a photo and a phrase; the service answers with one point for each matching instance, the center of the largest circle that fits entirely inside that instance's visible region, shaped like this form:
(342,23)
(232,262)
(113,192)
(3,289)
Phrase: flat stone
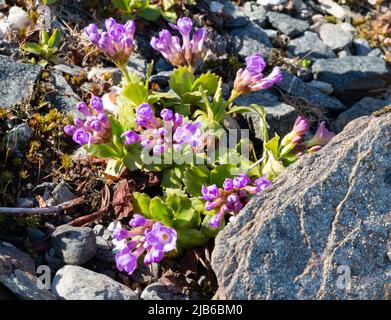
(62,193)
(362,47)
(333,8)
(364,107)
(321,231)
(157,291)
(286,24)
(293,86)
(137,64)
(354,74)
(74,245)
(280,116)
(311,46)
(24,285)
(77,283)
(257,14)
(12,258)
(334,36)
(325,87)
(70,69)
(62,97)
(17,81)
(250,39)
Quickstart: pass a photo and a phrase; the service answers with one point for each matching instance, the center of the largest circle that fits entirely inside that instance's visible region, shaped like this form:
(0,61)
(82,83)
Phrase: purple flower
(262,183)
(69,129)
(170,46)
(83,108)
(228,184)
(251,79)
(321,137)
(116,42)
(126,261)
(255,64)
(131,137)
(161,237)
(144,111)
(167,114)
(96,103)
(120,234)
(138,221)
(183,26)
(241,181)
(215,221)
(210,193)
(81,137)
(301,126)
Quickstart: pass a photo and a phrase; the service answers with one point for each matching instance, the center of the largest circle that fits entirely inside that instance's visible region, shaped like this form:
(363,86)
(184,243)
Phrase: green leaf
(121,4)
(170,16)
(218,174)
(135,93)
(181,80)
(190,238)
(54,39)
(185,215)
(171,178)
(194,177)
(33,48)
(103,151)
(150,13)
(161,212)
(273,145)
(208,81)
(141,204)
(167,4)
(132,157)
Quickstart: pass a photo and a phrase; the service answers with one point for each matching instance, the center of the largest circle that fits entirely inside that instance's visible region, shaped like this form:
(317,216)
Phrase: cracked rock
(326,216)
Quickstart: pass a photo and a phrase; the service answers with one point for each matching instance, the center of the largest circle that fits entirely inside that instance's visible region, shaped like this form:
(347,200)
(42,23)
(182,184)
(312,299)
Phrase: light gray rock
(353,75)
(311,46)
(325,217)
(62,96)
(376,53)
(364,107)
(334,36)
(256,14)
(77,283)
(245,41)
(362,47)
(62,193)
(138,65)
(17,273)
(280,116)
(292,85)
(17,81)
(286,24)
(74,245)
(325,87)
(70,69)
(101,231)
(157,291)
(17,139)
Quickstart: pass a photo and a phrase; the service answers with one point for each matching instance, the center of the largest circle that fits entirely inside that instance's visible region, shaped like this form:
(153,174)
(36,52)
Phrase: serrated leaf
(135,93)
(208,81)
(218,174)
(161,212)
(171,179)
(185,215)
(194,177)
(103,151)
(141,204)
(181,80)
(190,238)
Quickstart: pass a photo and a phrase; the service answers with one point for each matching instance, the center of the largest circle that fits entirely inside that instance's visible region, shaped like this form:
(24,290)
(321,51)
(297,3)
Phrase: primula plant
(180,133)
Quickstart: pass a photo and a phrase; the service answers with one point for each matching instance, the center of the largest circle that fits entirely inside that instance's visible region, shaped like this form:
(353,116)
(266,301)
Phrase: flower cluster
(251,78)
(145,235)
(232,197)
(95,129)
(116,42)
(293,144)
(161,134)
(187,53)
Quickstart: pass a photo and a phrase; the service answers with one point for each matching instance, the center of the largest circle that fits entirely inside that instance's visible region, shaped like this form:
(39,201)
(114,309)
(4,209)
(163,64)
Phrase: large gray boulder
(17,81)
(77,283)
(353,74)
(322,231)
